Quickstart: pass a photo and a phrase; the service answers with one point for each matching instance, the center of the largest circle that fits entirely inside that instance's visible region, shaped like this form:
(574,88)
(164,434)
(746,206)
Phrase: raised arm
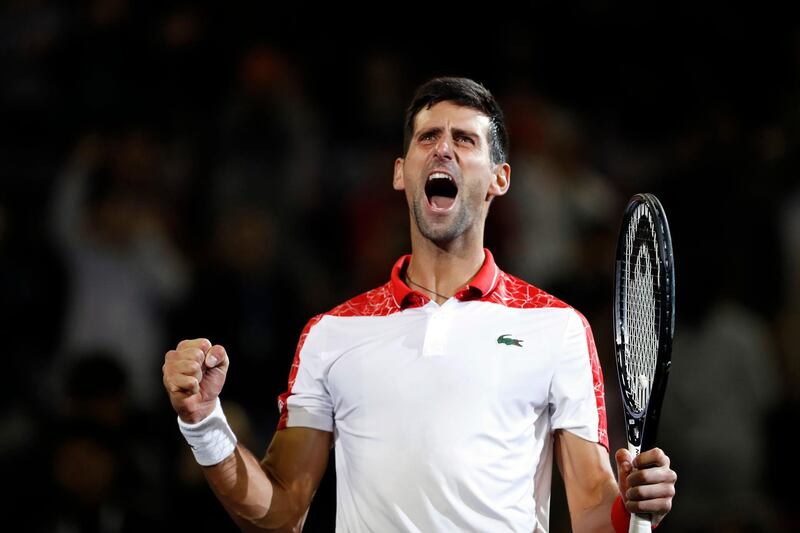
(269,495)
(592,489)
(275,493)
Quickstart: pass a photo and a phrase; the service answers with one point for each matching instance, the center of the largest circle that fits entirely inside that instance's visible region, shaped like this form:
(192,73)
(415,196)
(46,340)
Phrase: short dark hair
(467,93)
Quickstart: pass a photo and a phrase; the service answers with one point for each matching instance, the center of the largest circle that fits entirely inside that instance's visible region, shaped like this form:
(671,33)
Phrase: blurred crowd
(174,170)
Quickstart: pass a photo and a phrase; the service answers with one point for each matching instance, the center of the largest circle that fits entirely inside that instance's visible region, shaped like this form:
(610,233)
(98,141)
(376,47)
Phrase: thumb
(216,363)
(217,357)
(624,468)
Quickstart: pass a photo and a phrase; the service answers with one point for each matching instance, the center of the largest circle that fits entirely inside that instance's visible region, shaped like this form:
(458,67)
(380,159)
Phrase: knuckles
(660,457)
(194,368)
(653,458)
(201,344)
(195,350)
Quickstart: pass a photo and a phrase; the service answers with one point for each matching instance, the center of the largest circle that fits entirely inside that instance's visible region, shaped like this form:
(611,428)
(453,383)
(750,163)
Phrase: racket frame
(641,427)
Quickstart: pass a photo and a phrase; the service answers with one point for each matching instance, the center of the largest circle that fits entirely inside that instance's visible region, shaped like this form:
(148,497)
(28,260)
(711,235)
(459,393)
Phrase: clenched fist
(194,374)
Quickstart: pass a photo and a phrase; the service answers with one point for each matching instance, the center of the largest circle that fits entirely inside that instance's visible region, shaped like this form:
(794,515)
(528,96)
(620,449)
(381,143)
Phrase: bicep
(588,478)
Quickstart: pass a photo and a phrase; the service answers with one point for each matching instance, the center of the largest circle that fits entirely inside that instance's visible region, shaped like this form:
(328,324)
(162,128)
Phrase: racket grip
(640,523)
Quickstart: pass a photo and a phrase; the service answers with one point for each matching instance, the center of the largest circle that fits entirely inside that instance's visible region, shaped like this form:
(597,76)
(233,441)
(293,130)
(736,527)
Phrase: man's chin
(440,228)
(440,234)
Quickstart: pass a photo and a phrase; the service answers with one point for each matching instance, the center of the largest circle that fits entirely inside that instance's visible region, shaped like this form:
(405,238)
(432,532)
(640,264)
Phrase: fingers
(202,344)
(652,457)
(650,485)
(183,367)
(656,507)
(183,384)
(651,477)
(182,370)
(188,367)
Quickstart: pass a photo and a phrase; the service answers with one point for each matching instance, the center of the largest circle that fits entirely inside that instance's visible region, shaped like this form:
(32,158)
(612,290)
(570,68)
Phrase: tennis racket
(644,322)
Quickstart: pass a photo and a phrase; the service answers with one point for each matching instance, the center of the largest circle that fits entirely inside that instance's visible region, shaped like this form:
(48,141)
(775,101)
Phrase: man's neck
(440,272)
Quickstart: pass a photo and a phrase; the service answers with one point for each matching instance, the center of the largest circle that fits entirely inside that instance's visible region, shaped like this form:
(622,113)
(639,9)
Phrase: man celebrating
(446,392)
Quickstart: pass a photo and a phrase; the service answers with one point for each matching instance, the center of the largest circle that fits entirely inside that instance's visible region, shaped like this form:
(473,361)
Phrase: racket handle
(640,523)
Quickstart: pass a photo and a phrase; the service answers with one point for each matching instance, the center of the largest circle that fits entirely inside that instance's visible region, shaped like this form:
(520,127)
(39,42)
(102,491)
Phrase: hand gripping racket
(644,321)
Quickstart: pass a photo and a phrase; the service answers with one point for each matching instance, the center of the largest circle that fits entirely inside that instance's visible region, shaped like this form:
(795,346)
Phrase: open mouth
(441,190)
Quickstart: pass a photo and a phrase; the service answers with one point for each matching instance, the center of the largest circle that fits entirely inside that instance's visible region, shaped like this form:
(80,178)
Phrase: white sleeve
(307,402)
(577,402)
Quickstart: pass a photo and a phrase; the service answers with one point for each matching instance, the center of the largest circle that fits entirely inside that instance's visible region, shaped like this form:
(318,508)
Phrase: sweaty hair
(463,92)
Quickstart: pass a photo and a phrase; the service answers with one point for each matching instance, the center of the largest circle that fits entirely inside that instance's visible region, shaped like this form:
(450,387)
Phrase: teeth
(439,176)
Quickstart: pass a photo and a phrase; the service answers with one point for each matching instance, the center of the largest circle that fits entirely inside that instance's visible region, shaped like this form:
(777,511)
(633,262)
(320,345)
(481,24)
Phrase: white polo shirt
(442,415)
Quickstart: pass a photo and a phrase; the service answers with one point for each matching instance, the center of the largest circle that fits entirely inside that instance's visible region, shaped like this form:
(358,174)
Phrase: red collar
(483,283)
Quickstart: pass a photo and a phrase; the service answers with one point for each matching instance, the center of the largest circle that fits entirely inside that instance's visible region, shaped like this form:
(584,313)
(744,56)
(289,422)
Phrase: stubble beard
(445,232)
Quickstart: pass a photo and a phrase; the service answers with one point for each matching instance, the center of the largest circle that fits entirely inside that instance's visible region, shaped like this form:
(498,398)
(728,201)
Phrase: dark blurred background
(183,169)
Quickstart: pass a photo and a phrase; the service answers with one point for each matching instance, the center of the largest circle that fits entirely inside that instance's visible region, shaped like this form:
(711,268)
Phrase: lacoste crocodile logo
(505,339)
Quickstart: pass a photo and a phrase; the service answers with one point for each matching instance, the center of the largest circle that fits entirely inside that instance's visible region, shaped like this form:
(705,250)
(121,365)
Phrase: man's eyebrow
(437,130)
(468,133)
(433,129)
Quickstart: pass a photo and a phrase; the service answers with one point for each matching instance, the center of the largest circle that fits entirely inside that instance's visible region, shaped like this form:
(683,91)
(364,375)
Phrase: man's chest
(455,371)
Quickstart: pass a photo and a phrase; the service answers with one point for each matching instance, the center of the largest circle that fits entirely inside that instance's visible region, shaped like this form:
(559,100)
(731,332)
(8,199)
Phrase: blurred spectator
(124,270)
(269,153)
(94,488)
(248,297)
(787,326)
(724,384)
(103,460)
(267,168)
(790,318)
(383,90)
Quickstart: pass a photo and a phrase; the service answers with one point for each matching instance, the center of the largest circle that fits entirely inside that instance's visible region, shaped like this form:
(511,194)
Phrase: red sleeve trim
(282,399)
(599,388)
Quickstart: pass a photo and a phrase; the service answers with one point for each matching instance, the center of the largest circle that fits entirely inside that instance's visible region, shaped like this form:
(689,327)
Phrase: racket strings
(641,309)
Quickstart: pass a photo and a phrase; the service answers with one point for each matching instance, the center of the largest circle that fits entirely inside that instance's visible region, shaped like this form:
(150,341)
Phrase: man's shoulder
(379,301)
(517,293)
(376,302)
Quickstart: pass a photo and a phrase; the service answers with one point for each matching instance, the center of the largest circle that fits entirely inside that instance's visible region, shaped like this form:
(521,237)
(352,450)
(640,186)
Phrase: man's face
(447,174)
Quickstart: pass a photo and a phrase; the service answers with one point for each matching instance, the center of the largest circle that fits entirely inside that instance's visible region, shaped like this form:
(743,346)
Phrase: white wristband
(211,439)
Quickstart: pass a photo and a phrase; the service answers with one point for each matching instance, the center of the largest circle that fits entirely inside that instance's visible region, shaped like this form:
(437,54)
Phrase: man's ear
(397,182)
(501,180)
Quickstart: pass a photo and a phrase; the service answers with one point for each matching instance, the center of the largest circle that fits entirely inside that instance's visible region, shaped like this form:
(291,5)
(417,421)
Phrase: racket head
(644,315)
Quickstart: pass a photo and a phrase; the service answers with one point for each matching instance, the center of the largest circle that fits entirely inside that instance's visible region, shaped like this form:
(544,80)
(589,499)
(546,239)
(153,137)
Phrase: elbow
(285,521)
(286,511)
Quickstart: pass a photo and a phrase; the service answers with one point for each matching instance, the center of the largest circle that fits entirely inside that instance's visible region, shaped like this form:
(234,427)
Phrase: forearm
(241,485)
(595,517)
(254,501)
(589,482)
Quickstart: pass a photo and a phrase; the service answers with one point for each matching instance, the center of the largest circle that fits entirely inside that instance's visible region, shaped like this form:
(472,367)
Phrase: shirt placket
(437,331)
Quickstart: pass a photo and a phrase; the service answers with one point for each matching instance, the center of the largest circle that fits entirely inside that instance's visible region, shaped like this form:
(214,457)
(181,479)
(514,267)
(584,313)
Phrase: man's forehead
(449,115)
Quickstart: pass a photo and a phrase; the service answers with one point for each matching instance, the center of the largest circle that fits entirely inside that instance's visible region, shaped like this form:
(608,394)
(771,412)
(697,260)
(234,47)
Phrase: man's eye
(465,139)
(426,137)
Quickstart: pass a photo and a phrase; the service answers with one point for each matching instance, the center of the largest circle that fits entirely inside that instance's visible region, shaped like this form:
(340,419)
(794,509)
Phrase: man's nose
(443,148)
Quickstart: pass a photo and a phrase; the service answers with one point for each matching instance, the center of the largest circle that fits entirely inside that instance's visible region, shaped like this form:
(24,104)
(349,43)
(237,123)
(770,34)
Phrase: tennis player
(446,393)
